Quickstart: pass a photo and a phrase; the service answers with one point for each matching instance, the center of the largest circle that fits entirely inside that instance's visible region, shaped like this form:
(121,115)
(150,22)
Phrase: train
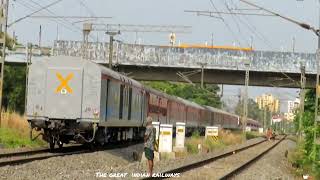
(73,99)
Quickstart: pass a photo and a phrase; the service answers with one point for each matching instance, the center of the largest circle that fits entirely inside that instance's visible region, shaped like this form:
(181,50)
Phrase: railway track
(16,158)
(245,165)
(38,154)
(199,164)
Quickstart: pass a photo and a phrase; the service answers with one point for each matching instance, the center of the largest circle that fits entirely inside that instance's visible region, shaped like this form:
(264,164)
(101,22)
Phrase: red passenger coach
(176,112)
(157,106)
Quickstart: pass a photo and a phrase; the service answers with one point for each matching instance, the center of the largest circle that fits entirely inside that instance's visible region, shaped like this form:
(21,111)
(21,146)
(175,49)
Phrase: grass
(207,145)
(14,132)
(252,135)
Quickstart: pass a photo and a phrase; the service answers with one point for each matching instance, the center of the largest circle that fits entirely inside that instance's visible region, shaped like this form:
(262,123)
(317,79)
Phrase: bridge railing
(158,56)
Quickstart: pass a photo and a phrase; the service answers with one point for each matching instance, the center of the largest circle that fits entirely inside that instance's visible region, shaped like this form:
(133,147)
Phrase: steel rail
(250,162)
(192,166)
(22,157)
(29,159)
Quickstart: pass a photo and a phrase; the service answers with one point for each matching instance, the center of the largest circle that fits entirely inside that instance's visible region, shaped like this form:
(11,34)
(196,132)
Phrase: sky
(267,33)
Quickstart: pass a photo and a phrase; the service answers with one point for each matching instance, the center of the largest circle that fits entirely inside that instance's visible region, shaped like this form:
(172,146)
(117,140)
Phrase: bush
(251,135)
(14,131)
(228,138)
(12,138)
(211,144)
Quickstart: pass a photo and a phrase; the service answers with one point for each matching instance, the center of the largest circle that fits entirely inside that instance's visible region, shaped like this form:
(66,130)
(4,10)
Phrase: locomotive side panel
(36,91)
(92,92)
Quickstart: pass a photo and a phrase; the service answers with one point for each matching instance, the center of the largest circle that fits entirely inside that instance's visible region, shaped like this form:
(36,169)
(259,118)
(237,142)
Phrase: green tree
(310,155)
(14,88)
(253,110)
(14,83)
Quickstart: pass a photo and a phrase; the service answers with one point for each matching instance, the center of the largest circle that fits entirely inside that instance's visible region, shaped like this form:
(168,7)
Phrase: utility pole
(293,44)
(3,32)
(302,95)
(221,96)
(264,118)
(29,56)
(87,28)
(245,101)
(202,72)
(111,34)
(40,34)
(317,118)
(211,39)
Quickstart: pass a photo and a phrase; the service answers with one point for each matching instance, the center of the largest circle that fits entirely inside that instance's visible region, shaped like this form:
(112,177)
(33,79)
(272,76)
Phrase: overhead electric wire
(32,7)
(225,23)
(294,81)
(62,21)
(233,16)
(82,3)
(54,14)
(41,9)
(303,25)
(252,28)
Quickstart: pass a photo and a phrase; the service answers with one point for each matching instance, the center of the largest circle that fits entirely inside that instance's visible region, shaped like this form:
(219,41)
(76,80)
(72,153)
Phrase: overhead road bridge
(221,65)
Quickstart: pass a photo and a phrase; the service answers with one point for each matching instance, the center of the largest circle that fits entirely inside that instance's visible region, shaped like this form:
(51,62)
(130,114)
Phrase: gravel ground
(273,165)
(7,150)
(85,166)
(168,164)
(220,167)
(81,166)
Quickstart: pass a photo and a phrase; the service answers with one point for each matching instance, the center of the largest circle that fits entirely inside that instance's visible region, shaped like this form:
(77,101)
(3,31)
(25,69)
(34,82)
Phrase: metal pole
(3,23)
(245,103)
(302,95)
(264,118)
(202,65)
(29,56)
(316,119)
(111,40)
(293,44)
(110,51)
(40,34)
(202,74)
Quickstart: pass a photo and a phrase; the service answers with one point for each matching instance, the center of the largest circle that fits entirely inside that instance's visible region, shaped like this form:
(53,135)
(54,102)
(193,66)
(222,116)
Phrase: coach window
(121,101)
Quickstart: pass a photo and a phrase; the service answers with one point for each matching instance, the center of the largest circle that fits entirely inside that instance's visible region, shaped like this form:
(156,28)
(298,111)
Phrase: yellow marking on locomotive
(180,130)
(64,82)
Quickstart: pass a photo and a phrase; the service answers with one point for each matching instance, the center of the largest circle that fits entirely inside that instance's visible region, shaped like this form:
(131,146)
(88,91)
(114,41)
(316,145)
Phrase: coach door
(64,91)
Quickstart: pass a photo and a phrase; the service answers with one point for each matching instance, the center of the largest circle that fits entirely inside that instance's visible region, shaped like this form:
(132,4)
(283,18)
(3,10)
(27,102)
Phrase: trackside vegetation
(14,132)
(306,157)
(196,143)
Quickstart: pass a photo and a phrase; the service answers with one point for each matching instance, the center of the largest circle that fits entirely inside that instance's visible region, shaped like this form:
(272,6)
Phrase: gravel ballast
(86,166)
(274,165)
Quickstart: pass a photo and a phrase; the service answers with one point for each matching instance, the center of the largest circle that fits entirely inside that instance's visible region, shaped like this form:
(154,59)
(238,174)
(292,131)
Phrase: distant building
(292,109)
(293,105)
(289,116)
(268,101)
